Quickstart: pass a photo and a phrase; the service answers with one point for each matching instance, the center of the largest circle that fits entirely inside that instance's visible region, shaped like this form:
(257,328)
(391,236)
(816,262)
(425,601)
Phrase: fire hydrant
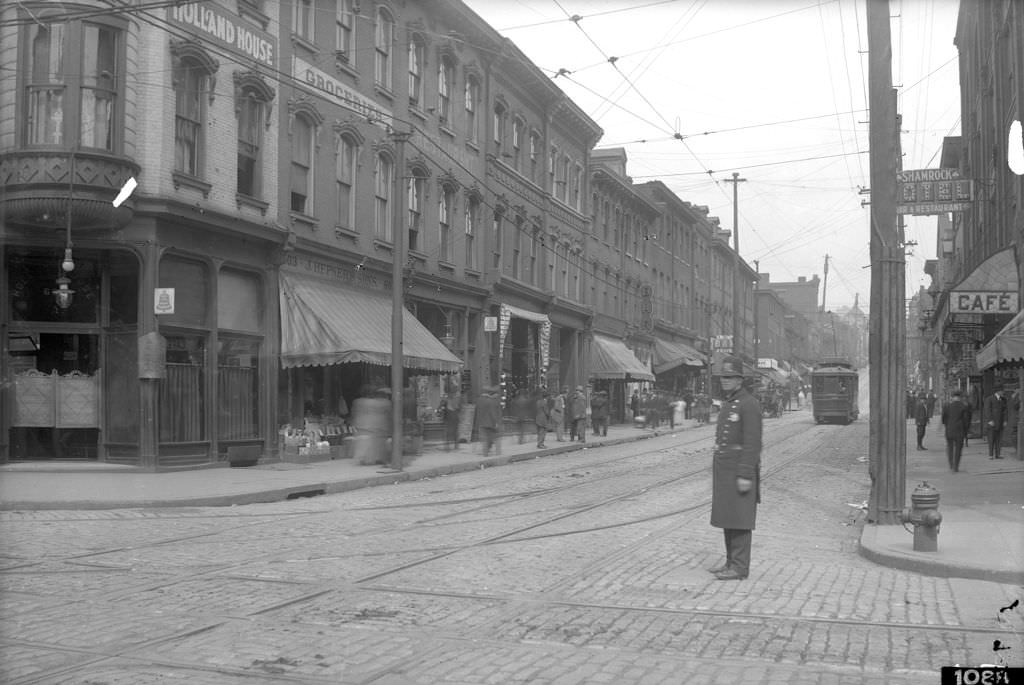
(924,514)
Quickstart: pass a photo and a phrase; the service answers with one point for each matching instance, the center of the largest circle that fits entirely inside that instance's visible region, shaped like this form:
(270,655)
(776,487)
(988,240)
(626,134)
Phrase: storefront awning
(1006,348)
(610,358)
(669,355)
(323,323)
(776,375)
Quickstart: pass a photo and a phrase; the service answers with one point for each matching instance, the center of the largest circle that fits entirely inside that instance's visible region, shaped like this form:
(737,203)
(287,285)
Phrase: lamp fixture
(63,294)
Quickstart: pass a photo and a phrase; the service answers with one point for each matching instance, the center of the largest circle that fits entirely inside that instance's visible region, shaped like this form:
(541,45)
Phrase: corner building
(100,361)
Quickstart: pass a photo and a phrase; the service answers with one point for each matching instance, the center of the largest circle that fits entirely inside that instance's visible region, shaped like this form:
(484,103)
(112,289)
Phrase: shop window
(190,280)
(121,391)
(32,276)
(183,389)
(239,301)
(238,387)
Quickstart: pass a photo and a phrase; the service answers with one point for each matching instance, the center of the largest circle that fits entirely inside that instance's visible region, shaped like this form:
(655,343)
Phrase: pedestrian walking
(994,413)
(579,415)
(371,420)
(450,409)
(921,418)
(557,416)
(542,416)
(956,418)
(488,420)
(599,413)
(521,410)
(634,404)
(736,466)
(932,400)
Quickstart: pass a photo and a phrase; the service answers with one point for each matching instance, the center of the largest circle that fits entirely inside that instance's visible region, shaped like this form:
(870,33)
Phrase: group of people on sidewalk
(956,418)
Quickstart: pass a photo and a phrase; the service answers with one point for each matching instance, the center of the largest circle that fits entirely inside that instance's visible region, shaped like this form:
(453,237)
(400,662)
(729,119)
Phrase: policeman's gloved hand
(743,485)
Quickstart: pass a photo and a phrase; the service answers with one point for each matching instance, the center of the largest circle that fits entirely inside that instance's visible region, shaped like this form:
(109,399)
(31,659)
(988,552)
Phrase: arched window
(472,215)
(416,63)
(345,178)
(384,37)
(343,30)
(445,84)
(445,216)
(193,85)
(518,128)
(303,132)
(472,93)
(384,178)
(499,125)
(415,190)
(252,102)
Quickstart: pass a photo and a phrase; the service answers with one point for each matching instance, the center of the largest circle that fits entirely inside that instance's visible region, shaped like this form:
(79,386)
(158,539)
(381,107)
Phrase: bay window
(72,73)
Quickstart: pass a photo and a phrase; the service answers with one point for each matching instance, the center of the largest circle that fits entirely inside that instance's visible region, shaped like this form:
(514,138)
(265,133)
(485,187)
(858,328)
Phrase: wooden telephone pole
(887,454)
(737,333)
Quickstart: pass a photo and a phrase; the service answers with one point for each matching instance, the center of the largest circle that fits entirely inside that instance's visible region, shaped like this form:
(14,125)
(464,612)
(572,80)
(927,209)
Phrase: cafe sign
(983,302)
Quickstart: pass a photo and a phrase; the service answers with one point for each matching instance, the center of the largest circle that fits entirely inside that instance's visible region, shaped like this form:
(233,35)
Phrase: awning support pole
(398,301)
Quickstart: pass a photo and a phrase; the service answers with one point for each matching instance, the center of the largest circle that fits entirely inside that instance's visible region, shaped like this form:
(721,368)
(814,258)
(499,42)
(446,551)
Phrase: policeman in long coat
(736,471)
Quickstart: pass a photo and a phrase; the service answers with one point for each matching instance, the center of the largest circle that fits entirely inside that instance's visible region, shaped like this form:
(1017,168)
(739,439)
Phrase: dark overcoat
(956,417)
(737,455)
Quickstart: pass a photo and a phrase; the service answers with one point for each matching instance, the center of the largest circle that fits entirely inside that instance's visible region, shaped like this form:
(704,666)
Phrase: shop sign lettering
(335,272)
(226,29)
(337,92)
(984,302)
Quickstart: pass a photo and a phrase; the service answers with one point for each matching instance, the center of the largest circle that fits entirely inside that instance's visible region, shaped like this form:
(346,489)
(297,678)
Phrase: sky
(775,90)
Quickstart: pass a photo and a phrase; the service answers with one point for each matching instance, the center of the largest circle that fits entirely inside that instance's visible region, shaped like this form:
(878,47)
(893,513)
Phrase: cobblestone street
(588,567)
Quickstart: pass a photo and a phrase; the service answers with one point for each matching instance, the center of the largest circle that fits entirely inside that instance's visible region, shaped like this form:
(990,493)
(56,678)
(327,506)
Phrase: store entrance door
(56,394)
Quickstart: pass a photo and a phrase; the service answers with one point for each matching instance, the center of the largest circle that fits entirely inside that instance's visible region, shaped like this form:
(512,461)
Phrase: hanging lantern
(63,294)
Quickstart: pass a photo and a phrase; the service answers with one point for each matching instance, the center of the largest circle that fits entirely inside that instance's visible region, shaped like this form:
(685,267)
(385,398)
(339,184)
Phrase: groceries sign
(983,302)
(933,191)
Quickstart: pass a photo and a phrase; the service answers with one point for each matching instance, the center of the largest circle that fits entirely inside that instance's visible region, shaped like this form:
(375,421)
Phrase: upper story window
(384,38)
(302,19)
(384,177)
(303,130)
(416,53)
(252,99)
(445,84)
(415,188)
(345,178)
(343,30)
(562,182)
(499,126)
(472,215)
(534,156)
(472,93)
(552,164)
(73,78)
(445,214)
(192,77)
(517,144)
(575,188)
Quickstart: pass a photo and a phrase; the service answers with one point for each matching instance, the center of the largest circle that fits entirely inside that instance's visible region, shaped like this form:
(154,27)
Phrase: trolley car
(834,391)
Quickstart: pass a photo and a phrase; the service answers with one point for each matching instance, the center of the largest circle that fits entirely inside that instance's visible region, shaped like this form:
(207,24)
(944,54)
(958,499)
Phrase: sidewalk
(982,507)
(73,485)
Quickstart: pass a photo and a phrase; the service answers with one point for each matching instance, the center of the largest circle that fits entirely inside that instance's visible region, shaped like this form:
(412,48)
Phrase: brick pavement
(394,586)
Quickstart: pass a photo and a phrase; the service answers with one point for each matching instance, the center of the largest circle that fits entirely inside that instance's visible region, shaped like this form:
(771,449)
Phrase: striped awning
(610,358)
(1006,348)
(669,355)
(324,323)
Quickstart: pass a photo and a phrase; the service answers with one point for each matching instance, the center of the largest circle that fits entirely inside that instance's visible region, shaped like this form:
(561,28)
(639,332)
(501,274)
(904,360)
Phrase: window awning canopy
(610,358)
(1006,348)
(323,323)
(670,355)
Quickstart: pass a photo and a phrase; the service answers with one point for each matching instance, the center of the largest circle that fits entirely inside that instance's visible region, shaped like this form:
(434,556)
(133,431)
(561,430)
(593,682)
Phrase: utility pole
(824,285)
(887,453)
(737,334)
(757,284)
(398,259)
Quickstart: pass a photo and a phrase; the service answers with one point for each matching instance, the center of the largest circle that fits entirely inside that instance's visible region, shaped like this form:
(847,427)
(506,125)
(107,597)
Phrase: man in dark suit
(994,413)
(736,470)
(921,416)
(956,418)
